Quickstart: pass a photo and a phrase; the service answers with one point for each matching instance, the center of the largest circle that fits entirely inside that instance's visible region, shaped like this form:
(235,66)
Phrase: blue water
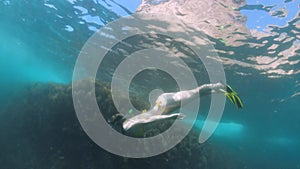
(40,41)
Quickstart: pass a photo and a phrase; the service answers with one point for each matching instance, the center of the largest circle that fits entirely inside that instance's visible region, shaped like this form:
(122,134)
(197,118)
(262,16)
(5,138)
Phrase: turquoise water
(40,41)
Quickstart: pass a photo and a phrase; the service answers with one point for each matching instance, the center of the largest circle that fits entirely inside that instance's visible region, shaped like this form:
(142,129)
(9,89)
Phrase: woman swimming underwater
(167,103)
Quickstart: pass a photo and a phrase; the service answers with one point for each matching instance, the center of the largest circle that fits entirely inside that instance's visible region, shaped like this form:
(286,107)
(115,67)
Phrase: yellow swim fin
(233,97)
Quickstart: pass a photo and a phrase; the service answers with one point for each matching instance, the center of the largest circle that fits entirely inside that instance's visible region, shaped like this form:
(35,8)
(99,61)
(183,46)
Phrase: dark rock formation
(41,130)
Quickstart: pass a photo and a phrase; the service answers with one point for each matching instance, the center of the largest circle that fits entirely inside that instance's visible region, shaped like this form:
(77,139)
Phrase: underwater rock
(41,130)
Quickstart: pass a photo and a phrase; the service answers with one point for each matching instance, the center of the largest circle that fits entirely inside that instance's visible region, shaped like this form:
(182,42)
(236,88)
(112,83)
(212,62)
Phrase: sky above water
(260,19)
(257,18)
